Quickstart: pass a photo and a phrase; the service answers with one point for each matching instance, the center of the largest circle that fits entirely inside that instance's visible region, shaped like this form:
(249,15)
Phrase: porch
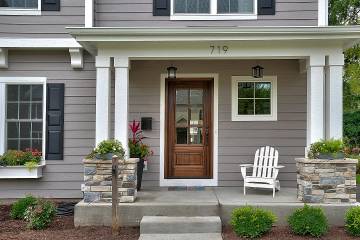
(209,201)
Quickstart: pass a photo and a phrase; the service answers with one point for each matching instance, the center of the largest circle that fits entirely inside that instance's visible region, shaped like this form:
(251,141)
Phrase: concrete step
(176,225)
(183,236)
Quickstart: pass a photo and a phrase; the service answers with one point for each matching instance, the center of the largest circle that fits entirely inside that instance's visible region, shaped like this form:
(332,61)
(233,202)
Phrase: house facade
(74,72)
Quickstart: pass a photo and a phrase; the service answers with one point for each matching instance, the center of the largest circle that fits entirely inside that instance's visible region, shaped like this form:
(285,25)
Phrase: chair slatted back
(265,159)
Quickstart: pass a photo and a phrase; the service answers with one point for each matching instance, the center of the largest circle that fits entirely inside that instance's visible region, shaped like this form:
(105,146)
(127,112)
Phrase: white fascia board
(39,43)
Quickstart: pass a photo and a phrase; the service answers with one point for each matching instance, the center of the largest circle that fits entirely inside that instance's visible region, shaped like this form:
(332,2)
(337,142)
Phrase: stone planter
(326,181)
(18,172)
(98,180)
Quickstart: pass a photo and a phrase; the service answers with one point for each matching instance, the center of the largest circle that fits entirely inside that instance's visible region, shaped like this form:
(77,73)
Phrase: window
(213,9)
(20,7)
(254,99)
(22,116)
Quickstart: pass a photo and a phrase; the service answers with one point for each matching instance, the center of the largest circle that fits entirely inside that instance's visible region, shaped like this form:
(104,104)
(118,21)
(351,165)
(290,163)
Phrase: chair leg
(244,190)
(274,191)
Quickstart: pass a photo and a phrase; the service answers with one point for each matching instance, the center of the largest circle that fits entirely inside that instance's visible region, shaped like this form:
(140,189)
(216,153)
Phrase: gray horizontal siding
(237,140)
(49,24)
(62,179)
(138,13)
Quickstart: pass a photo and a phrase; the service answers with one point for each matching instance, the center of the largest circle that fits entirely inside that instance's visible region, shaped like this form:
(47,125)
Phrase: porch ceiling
(345,35)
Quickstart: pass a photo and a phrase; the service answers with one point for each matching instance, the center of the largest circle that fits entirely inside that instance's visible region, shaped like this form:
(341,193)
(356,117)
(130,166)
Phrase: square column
(334,96)
(122,101)
(103,94)
(315,99)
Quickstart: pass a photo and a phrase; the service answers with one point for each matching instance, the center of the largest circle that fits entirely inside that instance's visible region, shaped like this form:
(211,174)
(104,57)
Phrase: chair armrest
(279,167)
(246,165)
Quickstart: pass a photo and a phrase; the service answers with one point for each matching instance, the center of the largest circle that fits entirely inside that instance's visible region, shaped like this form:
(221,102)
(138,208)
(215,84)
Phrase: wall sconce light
(258,71)
(171,72)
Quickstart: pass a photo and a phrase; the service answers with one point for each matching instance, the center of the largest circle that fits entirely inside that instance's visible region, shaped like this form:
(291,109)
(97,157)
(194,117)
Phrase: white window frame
(234,99)
(213,15)
(20,80)
(21,11)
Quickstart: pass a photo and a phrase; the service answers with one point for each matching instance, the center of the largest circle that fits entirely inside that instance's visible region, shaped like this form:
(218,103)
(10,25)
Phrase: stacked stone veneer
(326,181)
(98,180)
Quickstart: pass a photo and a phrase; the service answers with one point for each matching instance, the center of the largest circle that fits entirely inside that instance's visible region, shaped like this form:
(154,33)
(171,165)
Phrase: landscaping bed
(61,228)
(285,233)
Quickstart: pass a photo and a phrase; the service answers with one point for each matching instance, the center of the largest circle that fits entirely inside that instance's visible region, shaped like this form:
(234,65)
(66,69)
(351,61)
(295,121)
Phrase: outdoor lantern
(172,72)
(258,71)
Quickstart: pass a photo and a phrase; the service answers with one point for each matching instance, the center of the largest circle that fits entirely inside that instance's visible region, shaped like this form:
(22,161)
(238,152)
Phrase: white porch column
(334,96)
(103,87)
(122,101)
(315,99)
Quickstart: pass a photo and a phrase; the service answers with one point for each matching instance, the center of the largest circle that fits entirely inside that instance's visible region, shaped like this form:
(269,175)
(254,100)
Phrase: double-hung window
(20,7)
(254,99)
(213,9)
(22,114)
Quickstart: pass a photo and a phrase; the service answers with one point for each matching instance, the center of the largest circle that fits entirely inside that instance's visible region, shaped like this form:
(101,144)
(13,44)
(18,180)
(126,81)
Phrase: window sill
(20,12)
(207,17)
(21,172)
(238,118)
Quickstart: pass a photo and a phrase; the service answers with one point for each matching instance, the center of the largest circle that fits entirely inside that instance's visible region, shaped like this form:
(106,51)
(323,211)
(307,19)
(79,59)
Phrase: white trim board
(39,43)
(21,11)
(189,182)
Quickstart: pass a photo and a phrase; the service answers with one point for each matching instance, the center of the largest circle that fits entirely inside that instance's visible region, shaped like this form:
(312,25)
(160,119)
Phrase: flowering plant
(109,146)
(29,157)
(137,148)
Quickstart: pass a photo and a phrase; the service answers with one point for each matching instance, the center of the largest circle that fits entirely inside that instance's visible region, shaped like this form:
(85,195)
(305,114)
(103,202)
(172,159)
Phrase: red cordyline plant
(137,147)
(136,132)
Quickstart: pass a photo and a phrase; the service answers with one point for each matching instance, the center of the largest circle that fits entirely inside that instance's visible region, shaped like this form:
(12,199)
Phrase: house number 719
(218,49)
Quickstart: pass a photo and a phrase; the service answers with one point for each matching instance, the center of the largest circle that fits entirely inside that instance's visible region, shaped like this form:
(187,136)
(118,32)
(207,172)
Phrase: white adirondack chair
(265,170)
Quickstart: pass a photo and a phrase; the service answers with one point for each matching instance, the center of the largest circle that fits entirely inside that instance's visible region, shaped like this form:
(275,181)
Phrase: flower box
(18,172)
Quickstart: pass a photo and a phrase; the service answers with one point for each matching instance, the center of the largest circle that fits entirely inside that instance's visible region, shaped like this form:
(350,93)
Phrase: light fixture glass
(258,71)
(171,72)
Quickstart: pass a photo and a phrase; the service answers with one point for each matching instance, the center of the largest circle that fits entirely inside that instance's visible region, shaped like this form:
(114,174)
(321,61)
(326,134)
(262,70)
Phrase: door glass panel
(196,96)
(181,116)
(182,96)
(196,115)
(181,135)
(195,135)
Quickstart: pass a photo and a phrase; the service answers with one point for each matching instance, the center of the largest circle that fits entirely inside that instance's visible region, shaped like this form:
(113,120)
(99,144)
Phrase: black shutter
(161,7)
(50,5)
(266,7)
(55,121)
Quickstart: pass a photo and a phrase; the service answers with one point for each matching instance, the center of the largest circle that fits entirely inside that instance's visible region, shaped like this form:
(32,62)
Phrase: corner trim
(3,58)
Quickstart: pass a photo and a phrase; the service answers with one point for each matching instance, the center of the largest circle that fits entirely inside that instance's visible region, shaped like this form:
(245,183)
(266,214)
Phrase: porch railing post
(115,205)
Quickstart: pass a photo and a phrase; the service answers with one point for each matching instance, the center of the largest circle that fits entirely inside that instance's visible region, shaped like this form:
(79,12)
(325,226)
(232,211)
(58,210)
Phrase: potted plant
(327,149)
(21,164)
(106,149)
(138,150)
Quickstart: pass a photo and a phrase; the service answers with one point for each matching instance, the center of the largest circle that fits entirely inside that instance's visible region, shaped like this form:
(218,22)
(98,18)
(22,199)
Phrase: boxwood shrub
(19,207)
(39,216)
(352,221)
(251,222)
(308,221)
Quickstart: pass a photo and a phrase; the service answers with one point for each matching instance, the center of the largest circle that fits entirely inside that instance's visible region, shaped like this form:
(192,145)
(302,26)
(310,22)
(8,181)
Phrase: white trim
(323,12)
(213,14)
(21,172)
(4,57)
(234,96)
(89,13)
(39,43)
(21,11)
(21,80)
(189,182)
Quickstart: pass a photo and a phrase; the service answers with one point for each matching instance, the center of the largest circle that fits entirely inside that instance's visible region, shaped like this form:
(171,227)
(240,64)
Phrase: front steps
(180,228)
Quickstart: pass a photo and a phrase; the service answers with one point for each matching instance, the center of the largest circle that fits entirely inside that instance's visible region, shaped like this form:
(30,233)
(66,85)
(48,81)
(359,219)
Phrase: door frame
(189,182)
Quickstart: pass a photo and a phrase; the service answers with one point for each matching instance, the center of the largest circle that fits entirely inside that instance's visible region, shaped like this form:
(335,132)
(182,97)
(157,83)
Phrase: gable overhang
(92,38)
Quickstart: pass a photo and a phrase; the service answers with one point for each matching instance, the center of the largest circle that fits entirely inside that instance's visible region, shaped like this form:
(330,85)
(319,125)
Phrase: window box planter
(326,181)
(20,172)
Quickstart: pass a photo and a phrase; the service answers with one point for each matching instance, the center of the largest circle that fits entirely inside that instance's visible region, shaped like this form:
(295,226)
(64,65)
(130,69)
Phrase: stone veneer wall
(98,180)
(326,181)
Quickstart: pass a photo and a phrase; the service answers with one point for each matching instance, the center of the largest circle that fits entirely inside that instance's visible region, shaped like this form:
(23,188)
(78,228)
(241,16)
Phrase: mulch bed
(62,228)
(279,233)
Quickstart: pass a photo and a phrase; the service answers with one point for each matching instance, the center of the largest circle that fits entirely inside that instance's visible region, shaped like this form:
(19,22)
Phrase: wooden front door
(189,128)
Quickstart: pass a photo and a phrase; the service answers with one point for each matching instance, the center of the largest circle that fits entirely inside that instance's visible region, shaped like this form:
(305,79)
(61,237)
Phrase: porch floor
(219,201)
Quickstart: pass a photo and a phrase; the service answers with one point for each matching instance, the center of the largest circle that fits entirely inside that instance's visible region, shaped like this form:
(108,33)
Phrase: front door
(189,128)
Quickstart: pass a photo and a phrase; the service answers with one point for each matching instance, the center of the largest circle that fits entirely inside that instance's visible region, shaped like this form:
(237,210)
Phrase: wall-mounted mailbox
(146,123)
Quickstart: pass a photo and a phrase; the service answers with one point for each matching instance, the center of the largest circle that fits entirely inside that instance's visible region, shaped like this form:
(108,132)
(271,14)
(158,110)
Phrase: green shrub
(39,216)
(108,146)
(308,221)
(352,221)
(352,128)
(251,222)
(326,147)
(19,207)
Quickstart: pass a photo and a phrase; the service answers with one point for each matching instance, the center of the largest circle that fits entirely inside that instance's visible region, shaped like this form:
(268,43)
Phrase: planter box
(15,172)
(326,181)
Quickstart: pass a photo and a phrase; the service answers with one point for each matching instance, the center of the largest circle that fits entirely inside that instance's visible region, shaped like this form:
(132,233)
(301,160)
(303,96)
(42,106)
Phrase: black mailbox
(146,123)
